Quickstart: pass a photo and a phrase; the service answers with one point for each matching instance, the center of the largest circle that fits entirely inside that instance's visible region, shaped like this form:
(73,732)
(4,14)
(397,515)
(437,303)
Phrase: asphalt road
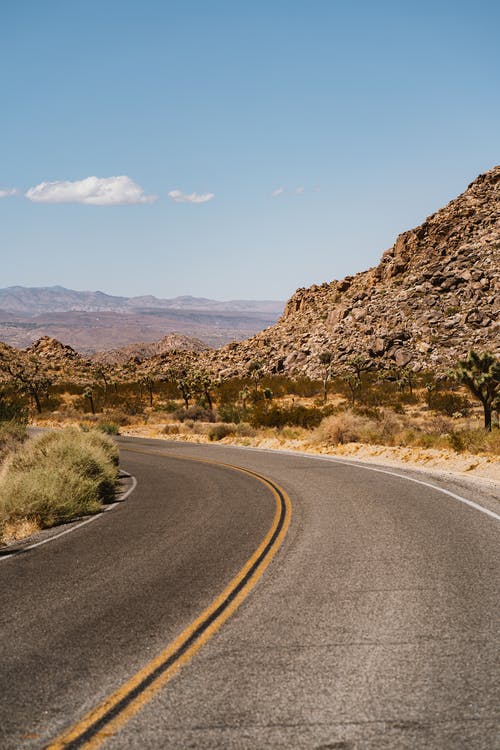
(375,626)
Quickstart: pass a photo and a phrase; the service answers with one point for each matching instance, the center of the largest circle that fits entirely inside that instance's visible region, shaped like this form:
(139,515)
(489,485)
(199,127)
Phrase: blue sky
(367,116)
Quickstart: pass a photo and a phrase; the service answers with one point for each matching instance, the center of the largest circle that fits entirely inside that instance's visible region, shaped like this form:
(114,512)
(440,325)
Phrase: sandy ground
(485,469)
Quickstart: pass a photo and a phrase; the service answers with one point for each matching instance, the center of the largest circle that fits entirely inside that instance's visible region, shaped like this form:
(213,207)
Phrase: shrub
(12,435)
(345,427)
(475,441)
(109,428)
(171,429)
(195,413)
(243,429)
(294,416)
(58,476)
(12,408)
(229,413)
(388,426)
(168,407)
(457,441)
(105,444)
(450,403)
(47,495)
(119,417)
(219,431)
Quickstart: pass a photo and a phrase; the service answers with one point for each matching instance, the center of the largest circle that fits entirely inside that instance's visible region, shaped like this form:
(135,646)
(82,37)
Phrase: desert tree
(357,366)
(203,384)
(404,377)
(88,393)
(326,359)
(480,373)
(256,372)
(353,383)
(243,396)
(101,376)
(182,377)
(147,380)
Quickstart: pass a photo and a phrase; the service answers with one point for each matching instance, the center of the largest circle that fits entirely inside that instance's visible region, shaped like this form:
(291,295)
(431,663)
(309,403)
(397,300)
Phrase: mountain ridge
(36,300)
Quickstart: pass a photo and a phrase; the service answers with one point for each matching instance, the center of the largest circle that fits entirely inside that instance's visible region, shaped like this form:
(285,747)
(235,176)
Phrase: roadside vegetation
(53,478)
(454,411)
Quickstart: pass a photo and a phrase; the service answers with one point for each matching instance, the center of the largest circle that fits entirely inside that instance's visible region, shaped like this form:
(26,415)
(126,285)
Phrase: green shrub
(449,403)
(109,428)
(168,407)
(294,416)
(195,413)
(476,440)
(230,413)
(457,441)
(219,431)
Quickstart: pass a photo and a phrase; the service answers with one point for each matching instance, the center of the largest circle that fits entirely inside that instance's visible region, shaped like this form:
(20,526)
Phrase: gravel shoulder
(476,475)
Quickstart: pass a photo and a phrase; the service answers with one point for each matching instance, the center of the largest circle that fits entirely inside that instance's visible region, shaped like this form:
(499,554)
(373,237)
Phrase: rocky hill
(173,342)
(434,295)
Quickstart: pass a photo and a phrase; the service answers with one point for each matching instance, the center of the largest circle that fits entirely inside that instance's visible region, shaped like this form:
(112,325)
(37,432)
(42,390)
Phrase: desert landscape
(376,366)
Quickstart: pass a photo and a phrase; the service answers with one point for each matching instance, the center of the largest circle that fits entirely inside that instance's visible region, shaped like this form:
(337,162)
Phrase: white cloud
(278,191)
(7,192)
(92,191)
(179,197)
(300,191)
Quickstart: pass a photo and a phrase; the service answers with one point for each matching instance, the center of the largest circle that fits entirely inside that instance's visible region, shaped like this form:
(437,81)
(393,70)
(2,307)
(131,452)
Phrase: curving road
(375,626)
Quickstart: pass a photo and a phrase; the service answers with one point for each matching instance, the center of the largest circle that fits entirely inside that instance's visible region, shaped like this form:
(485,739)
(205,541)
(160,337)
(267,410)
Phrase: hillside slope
(434,295)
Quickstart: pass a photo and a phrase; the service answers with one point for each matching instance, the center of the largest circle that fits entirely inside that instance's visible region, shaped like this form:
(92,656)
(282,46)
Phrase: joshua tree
(481,374)
(325,359)
(148,383)
(89,395)
(354,384)
(203,383)
(404,377)
(184,382)
(358,365)
(100,375)
(243,396)
(256,372)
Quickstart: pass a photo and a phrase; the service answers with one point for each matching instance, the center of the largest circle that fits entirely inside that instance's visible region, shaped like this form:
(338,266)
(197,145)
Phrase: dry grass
(12,435)
(56,477)
(19,529)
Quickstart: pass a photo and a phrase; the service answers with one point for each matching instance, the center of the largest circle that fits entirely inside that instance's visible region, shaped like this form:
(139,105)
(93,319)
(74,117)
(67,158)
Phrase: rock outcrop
(434,296)
(172,342)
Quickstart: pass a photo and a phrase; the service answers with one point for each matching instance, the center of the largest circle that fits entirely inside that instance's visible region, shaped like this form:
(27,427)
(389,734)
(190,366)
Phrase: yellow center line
(105,719)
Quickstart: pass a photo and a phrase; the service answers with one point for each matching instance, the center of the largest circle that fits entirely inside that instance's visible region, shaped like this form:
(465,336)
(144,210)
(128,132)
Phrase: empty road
(359,611)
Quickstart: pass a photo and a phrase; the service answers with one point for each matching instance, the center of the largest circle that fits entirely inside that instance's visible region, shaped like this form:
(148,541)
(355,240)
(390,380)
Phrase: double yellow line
(113,712)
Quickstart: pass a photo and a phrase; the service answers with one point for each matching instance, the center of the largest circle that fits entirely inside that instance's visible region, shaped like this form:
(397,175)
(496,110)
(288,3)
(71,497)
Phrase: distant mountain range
(94,321)
(51,299)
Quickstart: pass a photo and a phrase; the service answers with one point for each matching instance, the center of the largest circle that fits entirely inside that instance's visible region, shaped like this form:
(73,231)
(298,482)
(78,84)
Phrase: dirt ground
(467,465)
